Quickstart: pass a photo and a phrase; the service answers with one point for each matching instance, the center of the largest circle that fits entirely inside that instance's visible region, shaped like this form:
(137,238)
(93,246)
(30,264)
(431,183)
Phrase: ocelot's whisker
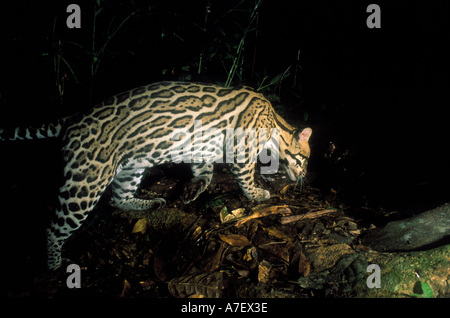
(299,180)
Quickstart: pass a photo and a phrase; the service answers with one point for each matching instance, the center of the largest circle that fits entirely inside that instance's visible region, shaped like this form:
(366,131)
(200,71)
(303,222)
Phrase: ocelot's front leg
(244,174)
(203,173)
(124,187)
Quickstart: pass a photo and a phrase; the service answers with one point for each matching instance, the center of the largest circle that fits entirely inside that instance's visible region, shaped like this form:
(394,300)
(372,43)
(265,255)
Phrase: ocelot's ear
(304,135)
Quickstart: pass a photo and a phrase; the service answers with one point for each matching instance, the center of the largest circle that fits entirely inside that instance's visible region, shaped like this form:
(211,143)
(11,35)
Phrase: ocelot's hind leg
(203,173)
(75,202)
(124,187)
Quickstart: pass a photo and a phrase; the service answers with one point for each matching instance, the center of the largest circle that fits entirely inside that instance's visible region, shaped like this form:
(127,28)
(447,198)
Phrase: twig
(280,209)
(313,215)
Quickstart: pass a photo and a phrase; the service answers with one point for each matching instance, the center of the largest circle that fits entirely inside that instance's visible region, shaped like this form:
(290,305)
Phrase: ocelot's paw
(259,195)
(136,204)
(157,203)
(193,189)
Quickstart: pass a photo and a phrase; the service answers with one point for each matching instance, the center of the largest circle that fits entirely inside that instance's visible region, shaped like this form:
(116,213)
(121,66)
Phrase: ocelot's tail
(33,132)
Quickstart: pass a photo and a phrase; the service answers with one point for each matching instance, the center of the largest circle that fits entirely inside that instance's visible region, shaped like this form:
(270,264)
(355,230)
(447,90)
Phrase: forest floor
(299,244)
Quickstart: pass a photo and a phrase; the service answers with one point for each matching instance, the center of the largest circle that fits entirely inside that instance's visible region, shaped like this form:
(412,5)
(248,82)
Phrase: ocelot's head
(295,156)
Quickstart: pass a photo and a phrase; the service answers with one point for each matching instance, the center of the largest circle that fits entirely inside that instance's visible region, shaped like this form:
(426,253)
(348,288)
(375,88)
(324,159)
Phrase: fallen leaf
(126,289)
(235,214)
(224,214)
(213,261)
(325,257)
(304,267)
(277,250)
(263,271)
(140,226)
(243,272)
(208,284)
(280,209)
(250,254)
(285,189)
(197,296)
(197,232)
(235,240)
(276,233)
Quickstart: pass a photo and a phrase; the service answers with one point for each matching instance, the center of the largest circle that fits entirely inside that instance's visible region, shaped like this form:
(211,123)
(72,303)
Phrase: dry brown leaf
(208,284)
(278,250)
(276,233)
(304,267)
(325,257)
(214,260)
(244,273)
(197,296)
(197,232)
(235,240)
(140,226)
(126,289)
(278,209)
(285,189)
(263,271)
(235,214)
(250,254)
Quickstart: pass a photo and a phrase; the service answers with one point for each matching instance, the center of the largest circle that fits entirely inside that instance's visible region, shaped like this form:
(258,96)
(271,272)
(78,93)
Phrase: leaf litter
(203,250)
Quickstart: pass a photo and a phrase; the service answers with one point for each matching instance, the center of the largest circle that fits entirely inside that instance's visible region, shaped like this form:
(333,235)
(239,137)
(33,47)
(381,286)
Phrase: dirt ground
(300,244)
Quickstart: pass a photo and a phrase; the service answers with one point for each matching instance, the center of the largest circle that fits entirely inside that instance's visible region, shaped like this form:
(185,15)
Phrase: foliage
(85,52)
(422,290)
(221,43)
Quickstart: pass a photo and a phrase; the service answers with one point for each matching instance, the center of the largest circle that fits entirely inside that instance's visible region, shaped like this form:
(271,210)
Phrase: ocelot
(114,142)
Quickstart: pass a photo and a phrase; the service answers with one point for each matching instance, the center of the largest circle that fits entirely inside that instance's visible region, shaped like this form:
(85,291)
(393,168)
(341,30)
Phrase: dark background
(379,95)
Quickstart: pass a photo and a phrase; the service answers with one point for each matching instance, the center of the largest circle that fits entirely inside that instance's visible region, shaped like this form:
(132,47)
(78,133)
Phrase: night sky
(380,93)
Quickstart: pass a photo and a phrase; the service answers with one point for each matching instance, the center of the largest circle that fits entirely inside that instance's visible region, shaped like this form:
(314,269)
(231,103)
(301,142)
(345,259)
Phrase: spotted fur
(114,142)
